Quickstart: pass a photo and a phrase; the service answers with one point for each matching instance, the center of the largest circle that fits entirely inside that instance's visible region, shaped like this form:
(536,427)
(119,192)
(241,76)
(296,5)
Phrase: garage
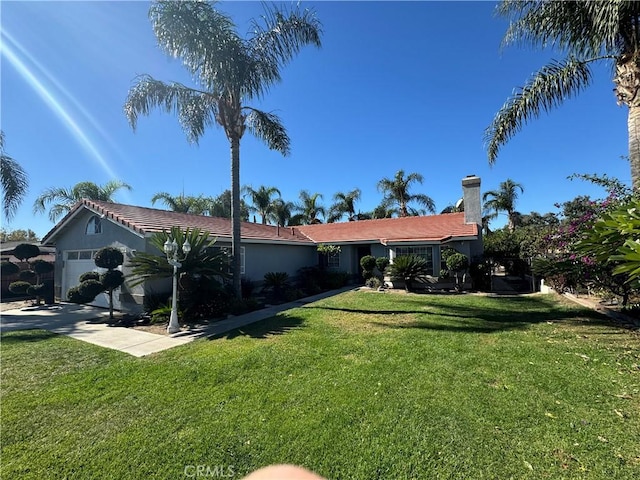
(76,263)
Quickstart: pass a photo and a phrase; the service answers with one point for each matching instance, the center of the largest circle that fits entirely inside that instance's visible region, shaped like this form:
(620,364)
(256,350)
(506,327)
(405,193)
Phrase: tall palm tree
(309,209)
(587,32)
(65,198)
(262,201)
(396,192)
(184,203)
(282,212)
(503,200)
(13,181)
(344,204)
(229,71)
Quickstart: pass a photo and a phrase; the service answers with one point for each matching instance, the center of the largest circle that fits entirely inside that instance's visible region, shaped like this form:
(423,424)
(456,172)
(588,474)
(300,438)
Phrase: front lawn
(363,385)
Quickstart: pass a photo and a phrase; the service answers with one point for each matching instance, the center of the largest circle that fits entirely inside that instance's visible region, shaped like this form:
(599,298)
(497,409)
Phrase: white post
(174,326)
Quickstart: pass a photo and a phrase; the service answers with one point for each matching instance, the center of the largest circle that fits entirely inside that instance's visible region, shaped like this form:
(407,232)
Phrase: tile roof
(143,220)
(388,230)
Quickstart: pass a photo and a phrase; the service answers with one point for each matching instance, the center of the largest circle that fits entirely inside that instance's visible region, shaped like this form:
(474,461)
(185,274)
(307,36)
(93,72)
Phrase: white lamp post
(171,249)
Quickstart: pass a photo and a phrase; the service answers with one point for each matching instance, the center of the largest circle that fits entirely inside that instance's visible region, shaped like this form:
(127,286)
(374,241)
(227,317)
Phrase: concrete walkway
(88,324)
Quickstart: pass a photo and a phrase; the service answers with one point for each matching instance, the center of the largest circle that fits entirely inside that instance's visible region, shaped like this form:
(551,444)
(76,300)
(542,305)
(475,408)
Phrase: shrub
(333,280)
(19,288)
(90,289)
(42,267)
(373,282)
(89,276)
(308,279)
(247,286)
(381,264)
(111,279)
(27,275)
(408,268)
(8,269)
(75,297)
(276,283)
(368,263)
(25,251)
(109,258)
(37,290)
(457,262)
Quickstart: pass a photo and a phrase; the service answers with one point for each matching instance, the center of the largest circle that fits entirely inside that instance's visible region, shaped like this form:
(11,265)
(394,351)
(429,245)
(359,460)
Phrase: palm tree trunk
(235,215)
(633,125)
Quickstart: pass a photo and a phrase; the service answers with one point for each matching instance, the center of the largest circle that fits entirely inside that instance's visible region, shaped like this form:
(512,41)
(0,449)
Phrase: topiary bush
(27,275)
(19,288)
(75,296)
(8,269)
(109,258)
(25,251)
(381,264)
(89,276)
(458,263)
(111,279)
(90,289)
(368,264)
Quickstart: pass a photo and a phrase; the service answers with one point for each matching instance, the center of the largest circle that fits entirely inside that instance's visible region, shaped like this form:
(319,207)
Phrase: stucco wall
(73,237)
(261,258)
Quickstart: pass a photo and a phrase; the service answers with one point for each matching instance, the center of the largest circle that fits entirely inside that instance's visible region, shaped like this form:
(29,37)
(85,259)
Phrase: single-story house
(91,225)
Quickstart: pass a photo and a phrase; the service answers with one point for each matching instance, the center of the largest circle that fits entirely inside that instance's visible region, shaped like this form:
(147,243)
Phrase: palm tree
(220,206)
(230,71)
(184,203)
(309,209)
(13,180)
(262,201)
(384,210)
(587,32)
(503,200)
(282,211)
(396,192)
(344,204)
(65,198)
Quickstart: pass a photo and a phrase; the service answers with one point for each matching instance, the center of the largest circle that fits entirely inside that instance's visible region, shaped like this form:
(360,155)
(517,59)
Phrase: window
(424,252)
(81,254)
(85,255)
(94,226)
(333,260)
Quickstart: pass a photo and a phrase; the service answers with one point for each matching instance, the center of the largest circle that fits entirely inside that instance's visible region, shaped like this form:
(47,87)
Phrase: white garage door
(76,263)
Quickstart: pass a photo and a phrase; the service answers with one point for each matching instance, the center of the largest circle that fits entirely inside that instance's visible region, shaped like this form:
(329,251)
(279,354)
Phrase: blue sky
(396,85)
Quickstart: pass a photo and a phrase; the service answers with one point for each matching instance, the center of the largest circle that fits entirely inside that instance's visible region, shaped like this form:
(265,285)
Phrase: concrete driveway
(87,323)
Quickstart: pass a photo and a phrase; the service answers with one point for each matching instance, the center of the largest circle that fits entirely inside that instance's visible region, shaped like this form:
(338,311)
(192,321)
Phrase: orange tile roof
(145,220)
(389,230)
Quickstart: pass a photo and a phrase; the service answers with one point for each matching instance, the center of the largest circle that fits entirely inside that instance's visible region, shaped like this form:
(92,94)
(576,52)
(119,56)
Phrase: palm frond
(14,183)
(549,87)
(582,29)
(269,128)
(283,33)
(425,201)
(195,109)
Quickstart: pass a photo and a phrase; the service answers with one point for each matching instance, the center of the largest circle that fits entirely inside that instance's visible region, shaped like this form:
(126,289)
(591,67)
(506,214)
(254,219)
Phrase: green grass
(362,385)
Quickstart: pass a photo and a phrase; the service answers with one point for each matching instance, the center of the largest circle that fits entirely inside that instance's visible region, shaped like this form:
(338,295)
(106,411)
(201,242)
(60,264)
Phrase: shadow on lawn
(26,336)
(277,325)
(496,314)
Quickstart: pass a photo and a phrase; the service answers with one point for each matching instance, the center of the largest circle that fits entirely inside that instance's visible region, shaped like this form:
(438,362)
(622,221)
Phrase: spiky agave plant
(408,268)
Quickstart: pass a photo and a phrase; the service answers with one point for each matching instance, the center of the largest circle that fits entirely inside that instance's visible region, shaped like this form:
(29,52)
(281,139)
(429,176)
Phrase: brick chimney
(471,198)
